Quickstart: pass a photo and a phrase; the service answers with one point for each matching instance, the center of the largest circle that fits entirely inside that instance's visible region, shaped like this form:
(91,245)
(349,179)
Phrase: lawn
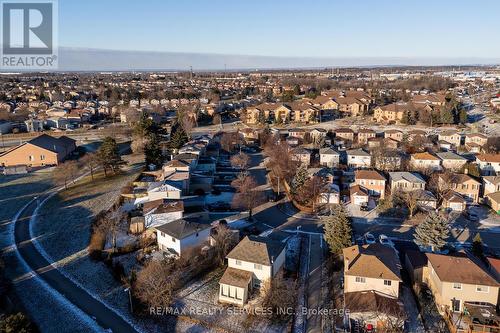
(63,231)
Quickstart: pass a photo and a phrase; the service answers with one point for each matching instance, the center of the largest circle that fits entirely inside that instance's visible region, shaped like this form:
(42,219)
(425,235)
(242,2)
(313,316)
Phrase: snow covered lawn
(199,300)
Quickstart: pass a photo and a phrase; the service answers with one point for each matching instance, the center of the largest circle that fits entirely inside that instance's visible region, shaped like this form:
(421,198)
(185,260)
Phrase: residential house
(364,135)
(345,133)
(358,195)
(491,184)
(331,194)
(328,157)
(450,136)
(358,158)
(392,113)
(394,135)
(406,181)
(458,279)
(437,99)
(40,151)
(161,211)
(416,135)
(297,132)
(318,134)
(372,181)
(181,235)
(253,262)
(454,201)
(493,200)
(467,186)
(451,161)
(476,138)
(489,164)
(371,283)
(425,161)
(176,165)
(301,155)
(163,190)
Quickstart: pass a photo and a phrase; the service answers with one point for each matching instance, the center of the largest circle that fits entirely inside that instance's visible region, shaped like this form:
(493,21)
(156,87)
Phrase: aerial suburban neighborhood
(359,197)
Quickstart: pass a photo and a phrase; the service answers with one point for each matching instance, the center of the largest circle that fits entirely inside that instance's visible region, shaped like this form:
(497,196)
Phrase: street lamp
(129,298)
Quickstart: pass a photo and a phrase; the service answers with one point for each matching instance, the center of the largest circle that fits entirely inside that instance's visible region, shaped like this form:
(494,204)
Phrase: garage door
(456,206)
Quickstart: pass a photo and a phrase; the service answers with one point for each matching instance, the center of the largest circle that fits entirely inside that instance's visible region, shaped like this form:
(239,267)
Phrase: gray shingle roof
(257,250)
(182,228)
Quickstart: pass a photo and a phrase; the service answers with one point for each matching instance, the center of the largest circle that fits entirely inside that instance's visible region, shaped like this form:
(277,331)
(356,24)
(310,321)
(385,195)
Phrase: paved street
(105,317)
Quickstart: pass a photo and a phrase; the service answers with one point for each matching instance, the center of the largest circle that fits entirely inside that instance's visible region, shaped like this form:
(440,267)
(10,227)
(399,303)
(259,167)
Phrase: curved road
(104,316)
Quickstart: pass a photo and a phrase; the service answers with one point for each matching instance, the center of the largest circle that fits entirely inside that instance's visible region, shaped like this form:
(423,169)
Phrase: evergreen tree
(433,232)
(405,119)
(477,246)
(299,179)
(178,138)
(462,116)
(338,229)
(152,151)
(109,155)
(446,116)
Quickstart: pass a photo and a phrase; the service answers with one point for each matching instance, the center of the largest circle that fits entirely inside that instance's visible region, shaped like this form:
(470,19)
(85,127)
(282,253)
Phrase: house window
(173,240)
(457,286)
(387,282)
(32,158)
(482,289)
(222,290)
(42,157)
(257,266)
(238,262)
(360,279)
(162,234)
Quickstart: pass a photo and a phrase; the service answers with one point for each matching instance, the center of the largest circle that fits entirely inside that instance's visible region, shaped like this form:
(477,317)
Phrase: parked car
(364,207)
(384,240)
(369,238)
(471,216)
(219,206)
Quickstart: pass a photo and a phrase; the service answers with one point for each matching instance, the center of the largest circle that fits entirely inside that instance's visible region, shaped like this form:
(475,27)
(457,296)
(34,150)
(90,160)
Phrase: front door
(455,305)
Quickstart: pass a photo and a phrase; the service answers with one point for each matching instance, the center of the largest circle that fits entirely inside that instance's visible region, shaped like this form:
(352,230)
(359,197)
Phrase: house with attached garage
(253,262)
(454,201)
(451,136)
(372,181)
(371,283)
(328,157)
(467,186)
(425,161)
(451,161)
(180,235)
(458,280)
(489,164)
(406,181)
(491,184)
(358,158)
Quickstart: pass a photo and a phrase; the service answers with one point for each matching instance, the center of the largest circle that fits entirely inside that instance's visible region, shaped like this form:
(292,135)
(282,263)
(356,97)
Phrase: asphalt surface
(105,317)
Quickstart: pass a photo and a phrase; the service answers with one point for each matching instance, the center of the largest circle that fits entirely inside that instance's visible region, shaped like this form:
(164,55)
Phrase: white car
(384,240)
(369,238)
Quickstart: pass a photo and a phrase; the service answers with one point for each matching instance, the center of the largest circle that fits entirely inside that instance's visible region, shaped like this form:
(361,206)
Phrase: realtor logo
(29,34)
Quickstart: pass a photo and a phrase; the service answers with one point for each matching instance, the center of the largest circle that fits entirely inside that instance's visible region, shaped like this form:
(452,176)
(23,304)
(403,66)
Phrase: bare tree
(311,191)
(410,199)
(279,294)
(112,223)
(229,141)
(240,161)
(224,241)
(154,284)
(90,162)
(65,173)
(246,196)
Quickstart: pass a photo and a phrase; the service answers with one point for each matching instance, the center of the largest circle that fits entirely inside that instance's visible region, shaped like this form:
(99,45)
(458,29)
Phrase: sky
(335,28)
